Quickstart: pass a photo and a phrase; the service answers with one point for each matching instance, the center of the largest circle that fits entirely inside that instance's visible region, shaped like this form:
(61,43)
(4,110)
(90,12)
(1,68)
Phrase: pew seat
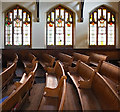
(46,60)
(55,89)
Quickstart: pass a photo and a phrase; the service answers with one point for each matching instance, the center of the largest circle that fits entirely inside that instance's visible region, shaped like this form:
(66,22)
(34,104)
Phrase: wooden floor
(32,103)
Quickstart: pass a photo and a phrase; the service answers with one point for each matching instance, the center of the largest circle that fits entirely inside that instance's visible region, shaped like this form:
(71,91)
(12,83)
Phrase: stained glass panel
(15,13)
(99,13)
(68,34)
(17,39)
(60,39)
(20,13)
(95,16)
(28,17)
(91,18)
(93,33)
(101,39)
(104,13)
(50,40)
(62,13)
(108,16)
(48,18)
(52,16)
(9,34)
(10,14)
(24,16)
(113,19)
(26,34)
(66,16)
(57,13)
(111,34)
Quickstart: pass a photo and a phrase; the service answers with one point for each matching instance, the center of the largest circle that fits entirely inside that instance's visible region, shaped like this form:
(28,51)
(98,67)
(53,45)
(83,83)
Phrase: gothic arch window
(17,27)
(59,27)
(102,27)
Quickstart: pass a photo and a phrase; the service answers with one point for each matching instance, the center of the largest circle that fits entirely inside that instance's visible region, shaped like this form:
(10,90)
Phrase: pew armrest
(50,70)
(17,84)
(52,92)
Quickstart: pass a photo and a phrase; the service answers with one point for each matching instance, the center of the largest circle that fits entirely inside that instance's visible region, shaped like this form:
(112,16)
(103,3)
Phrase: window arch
(102,27)
(17,27)
(59,27)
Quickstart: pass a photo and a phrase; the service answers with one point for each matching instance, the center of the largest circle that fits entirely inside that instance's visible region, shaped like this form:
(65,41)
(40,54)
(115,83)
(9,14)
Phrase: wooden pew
(7,75)
(82,57)
(66,60)
(18,96)
(55,89)
(95,59)
(14,59)
(27,61)
(46,60)
(111,74)
(31,67)
(95,93)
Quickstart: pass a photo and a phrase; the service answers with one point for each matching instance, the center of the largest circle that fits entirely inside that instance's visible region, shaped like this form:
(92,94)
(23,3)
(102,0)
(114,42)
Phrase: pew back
(16,99)
(82,57)
(108,100)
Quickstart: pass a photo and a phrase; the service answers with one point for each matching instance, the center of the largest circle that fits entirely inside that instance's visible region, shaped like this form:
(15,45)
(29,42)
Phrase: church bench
(16,99)
(31,67)
(95,59)
(28,59)
(14,59)
(95,93)
(7,75)
(111,74)
(46,60)
(66,60)
(55,89)
(82,57)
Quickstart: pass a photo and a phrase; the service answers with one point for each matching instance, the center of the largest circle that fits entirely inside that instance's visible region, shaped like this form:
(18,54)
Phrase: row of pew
(97,81)
(21,91)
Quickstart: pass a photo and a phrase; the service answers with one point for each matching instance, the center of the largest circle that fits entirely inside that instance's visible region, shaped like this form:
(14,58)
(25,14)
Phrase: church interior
(60,55)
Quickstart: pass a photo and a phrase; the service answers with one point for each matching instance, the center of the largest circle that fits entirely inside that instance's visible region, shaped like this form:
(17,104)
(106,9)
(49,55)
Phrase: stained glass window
(60,27)
(102,27)
(17,27)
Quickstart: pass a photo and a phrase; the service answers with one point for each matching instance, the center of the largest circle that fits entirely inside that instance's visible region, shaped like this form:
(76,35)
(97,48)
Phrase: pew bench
(17,98)
(55,89)
(31,67)
(7,75)
(111,74)
(95,93)
(46,60)
(66,60)
(82,57)
(95,59)
(27,61)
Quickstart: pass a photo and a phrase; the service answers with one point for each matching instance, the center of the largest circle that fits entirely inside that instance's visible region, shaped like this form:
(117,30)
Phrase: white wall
(81,39)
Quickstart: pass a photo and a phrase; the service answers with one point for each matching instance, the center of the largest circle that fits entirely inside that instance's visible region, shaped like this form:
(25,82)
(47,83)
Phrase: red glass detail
(59,21)
(51,25)
(110,23)
(8,23)
(93,23)
(68,24)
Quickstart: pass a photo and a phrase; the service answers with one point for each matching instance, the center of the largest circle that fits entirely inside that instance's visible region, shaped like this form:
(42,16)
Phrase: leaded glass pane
(108,16)
(111,34)
(57,13)
(10,14)
(95,16)
(99,13)
(52,16)
(62,13)
(50,35)
(60,39)
(68,34)
(24,16)
(26,34)
(15,13)
(104,13)
(93,33)
(66,16)
(20,13)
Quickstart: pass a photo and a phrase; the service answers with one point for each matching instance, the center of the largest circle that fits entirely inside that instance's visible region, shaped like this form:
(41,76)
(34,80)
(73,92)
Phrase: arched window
(59,27)
(17,27)
(102,27)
